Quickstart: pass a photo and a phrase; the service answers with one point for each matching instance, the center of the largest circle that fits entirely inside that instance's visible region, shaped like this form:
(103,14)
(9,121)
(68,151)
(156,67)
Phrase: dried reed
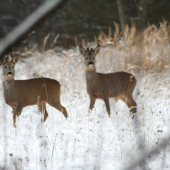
(147,50)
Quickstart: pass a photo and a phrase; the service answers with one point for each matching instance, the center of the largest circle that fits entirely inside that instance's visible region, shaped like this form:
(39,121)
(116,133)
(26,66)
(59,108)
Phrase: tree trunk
(142,11)
(121,15)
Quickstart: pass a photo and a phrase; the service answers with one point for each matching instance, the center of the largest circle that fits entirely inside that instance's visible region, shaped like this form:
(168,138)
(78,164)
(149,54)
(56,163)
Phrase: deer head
(89,56)
(9,66)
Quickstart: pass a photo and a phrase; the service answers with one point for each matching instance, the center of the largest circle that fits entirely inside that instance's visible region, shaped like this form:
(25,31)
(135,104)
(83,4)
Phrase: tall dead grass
(147,50)
(135,51)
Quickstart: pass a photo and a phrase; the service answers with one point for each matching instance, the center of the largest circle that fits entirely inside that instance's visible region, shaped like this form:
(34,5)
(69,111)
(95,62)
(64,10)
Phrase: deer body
(30,92)
(21,93)
(119,85)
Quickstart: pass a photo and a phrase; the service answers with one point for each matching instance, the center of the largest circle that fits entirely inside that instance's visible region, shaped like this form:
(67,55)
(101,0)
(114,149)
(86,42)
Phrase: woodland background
(77,20)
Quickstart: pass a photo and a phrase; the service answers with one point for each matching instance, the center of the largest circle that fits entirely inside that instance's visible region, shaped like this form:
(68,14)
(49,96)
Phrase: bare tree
(141,6)
(121,14)
(142,12)
(42,11)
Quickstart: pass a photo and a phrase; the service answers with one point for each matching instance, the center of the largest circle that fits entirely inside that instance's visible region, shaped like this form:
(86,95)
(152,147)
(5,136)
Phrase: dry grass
(46,39)
(135,51)
(147,50)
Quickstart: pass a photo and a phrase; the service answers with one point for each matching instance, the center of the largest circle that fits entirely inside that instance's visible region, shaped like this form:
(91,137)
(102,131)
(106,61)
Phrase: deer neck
(90,79)
(8,83)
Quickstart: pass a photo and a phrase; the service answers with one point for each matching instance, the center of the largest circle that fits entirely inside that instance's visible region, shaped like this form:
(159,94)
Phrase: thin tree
(142,13)
(121,14)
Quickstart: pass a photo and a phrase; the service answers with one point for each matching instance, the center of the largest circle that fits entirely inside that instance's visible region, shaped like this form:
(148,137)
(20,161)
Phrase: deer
(117,85)
(21,93)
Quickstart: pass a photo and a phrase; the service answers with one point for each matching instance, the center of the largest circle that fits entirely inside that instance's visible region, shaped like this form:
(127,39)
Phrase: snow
(85,141)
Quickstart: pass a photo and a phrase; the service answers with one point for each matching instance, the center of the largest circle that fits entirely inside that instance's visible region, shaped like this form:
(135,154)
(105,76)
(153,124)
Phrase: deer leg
(132,106)
(106,100)
(59,107)
(130,103)
(16,113)
(92,102)
(14,118)
(64,111)
(19,110)
(42,109)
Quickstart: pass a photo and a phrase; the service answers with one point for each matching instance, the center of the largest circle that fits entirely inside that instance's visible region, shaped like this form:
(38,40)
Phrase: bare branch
(149,152)
(28,23)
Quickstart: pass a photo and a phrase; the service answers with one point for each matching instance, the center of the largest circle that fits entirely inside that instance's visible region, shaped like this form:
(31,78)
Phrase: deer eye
(12,66)
(93,58)
(5,66)
(86,58)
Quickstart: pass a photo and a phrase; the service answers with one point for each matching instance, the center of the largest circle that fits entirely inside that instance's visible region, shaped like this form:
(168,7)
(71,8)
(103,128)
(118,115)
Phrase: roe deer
(21,93)
(118,85)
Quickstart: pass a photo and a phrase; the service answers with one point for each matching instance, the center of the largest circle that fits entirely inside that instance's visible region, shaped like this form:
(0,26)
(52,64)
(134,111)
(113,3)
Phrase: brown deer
(21,93)
(118,85)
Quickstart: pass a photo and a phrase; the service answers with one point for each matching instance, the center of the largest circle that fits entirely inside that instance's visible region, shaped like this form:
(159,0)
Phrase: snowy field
(85,141)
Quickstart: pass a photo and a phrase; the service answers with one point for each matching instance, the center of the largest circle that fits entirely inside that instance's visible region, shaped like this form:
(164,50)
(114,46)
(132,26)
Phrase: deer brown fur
(118,85)
(21,93)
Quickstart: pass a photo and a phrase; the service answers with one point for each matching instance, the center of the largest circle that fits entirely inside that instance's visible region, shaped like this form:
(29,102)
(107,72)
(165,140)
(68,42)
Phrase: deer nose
(9,73)
(90,63)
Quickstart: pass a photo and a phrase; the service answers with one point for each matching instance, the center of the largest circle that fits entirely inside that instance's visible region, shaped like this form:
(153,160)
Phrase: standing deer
(21,93)
(119,85)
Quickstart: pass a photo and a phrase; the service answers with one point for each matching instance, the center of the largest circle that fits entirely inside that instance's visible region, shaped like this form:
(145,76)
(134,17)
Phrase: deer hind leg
(42,109)
(64,111)
(130,103)
(127,96)
(59,107)
(106,100)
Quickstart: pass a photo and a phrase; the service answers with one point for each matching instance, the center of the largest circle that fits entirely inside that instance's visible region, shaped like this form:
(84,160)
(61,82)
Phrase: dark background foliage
(83,19)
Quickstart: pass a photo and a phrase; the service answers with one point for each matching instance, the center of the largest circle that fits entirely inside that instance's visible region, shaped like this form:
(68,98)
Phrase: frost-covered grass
(88,141)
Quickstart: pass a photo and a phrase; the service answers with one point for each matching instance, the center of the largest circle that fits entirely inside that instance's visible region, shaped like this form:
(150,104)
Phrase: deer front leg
(106,100)
(17,112)
(92,102)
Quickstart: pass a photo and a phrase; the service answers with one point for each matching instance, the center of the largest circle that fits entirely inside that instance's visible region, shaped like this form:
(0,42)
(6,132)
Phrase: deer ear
(1,61)
(82,50)
(97,49)
(4,59)
(15,59)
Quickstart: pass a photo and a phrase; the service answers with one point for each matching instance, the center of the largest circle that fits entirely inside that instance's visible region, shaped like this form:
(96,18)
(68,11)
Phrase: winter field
(93,141)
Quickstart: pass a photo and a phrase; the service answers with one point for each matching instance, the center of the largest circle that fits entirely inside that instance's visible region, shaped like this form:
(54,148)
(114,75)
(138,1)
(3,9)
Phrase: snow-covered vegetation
(93,141)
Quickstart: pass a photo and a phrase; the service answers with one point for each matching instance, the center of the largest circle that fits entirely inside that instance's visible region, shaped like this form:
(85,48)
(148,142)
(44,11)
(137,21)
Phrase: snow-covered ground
(85,141)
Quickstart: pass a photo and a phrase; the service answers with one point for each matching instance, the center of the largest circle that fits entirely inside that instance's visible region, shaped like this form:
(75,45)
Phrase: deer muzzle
(90,64)
(9,73)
